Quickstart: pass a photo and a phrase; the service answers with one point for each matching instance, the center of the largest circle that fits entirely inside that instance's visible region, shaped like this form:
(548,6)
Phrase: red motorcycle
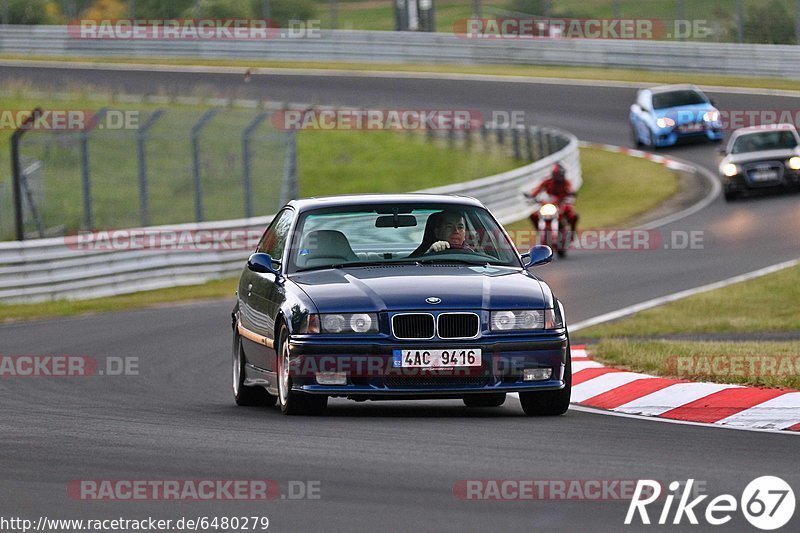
(552,224)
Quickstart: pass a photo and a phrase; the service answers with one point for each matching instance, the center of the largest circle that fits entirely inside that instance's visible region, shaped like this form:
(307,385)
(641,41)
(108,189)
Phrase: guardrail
(409,47)
(60,268)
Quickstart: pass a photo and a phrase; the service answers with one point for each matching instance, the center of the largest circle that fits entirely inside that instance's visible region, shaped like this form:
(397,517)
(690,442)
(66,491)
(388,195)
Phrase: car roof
(677,87)
(317,202)
(764,127)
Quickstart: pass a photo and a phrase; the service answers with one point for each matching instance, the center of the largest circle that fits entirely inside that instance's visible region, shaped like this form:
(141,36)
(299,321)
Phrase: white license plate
(764,175)
(419,358)
(688,128)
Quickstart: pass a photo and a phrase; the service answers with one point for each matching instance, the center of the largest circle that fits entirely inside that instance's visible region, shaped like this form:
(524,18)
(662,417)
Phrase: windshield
(399,233)
(765,140)
(677,99)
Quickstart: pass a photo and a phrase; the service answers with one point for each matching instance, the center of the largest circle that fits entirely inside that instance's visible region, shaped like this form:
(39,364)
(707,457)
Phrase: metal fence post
(198,184)
(16,171)
(515,143)
(529,144)
(86,184)
(290,186)
(247,183)
(141,138)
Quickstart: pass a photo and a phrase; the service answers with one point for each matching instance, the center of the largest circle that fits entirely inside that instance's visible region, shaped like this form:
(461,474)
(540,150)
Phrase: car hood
(402,288)
(684,114)
(766,155)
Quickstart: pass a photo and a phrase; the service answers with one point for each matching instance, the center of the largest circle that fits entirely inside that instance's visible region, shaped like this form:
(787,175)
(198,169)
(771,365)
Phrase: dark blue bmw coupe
(411,296)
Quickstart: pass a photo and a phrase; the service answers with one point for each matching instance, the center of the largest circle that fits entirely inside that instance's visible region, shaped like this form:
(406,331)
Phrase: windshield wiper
(358,264)
(431,260)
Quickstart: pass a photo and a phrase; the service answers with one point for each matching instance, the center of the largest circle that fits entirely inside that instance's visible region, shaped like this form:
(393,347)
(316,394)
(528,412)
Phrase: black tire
(561,253)
(294,403)
(495,399)
(637,143)
(551,402)
(731,196)
(242,394)
(652,141)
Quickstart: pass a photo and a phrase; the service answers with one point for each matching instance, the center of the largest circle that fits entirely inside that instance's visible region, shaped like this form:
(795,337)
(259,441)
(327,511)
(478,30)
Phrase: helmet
(559,172)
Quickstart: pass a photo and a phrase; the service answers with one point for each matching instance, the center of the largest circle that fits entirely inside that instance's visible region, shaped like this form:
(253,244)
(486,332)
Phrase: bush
(769,23)
(29,12)
(283,11)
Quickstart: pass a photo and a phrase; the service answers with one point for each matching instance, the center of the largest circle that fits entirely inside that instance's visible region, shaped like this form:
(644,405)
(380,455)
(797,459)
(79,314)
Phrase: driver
(450,232)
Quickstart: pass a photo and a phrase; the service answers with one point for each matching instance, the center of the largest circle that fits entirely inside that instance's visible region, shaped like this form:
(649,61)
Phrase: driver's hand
(439,246)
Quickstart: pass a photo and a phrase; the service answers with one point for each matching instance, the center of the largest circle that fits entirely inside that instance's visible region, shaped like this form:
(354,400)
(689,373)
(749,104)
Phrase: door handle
(249,289)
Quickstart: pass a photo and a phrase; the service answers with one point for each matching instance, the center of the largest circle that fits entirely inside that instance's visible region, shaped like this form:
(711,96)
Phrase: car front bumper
(370,371)
(740,183)
(672,136)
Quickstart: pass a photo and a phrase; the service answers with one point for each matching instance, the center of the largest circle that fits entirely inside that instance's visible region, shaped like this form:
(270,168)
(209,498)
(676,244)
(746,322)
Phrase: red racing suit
(558,190)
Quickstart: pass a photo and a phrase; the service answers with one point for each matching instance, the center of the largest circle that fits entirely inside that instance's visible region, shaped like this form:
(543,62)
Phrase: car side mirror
(263,264)
(539,255)
(723,151)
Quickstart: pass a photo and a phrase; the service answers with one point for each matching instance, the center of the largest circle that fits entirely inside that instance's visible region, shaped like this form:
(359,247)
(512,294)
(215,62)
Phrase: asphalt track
(381,466)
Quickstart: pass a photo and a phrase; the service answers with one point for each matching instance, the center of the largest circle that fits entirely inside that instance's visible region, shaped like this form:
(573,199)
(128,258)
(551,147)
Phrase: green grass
(329,162)
(769,303)
(768,364)
(379,15)
(607,177)
(639,77)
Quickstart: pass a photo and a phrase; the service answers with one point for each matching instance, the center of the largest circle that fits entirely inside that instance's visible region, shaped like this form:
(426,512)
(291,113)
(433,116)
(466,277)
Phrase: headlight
(524,320)
(665,122)
(730,170)
(794,163)
(711,116)
(548,210)
(349,323)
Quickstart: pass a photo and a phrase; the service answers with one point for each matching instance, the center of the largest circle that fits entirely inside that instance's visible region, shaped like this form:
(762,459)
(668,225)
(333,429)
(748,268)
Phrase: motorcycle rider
(559,190)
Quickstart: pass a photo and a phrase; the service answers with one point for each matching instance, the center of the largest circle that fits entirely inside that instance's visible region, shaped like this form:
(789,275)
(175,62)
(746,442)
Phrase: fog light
(332,378)
(536,374)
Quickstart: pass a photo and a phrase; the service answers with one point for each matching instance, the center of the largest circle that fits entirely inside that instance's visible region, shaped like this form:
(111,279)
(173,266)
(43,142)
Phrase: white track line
(655,302)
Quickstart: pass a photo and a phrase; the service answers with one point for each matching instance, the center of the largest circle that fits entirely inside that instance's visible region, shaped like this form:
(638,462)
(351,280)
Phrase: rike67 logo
(768,503)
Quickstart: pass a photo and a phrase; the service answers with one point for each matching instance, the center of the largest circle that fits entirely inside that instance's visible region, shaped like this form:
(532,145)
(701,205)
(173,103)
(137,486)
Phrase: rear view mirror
(396,221)
(539,255)
(263,264)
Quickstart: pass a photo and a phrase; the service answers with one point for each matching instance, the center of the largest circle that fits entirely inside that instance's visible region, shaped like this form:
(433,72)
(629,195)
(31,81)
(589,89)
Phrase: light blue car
(664,115)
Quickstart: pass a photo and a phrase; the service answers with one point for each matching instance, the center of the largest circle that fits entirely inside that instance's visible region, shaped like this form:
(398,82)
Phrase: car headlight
(523,320)
(711,116)
(665,122)
(794,163)
(730,170)
(348,323)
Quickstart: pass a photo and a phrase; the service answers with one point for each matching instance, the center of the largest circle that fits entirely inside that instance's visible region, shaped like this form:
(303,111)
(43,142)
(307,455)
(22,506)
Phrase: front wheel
(291,402)
(637,142)
(485,400)
(551,402)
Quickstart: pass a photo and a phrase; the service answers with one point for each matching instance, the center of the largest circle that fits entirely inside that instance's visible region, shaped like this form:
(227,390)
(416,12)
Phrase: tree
(769,23)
